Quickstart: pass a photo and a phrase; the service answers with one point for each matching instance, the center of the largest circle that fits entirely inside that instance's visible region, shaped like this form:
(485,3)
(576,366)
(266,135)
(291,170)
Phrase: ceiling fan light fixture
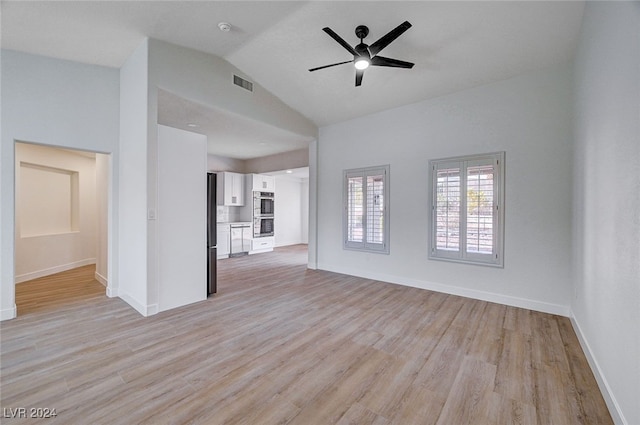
(362,63)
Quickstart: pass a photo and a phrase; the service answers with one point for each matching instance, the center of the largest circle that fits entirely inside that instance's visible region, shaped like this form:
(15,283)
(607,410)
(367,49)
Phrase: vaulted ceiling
(454,45)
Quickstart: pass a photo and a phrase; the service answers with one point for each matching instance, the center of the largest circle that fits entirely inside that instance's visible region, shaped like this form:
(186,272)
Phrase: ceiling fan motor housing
(363,51)
(362,31)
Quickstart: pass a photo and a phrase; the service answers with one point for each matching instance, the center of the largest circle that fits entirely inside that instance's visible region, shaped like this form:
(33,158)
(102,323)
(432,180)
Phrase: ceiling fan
(365,55)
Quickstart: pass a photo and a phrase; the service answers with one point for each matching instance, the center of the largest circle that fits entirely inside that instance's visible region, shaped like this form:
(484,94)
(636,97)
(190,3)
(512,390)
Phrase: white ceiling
(455,45)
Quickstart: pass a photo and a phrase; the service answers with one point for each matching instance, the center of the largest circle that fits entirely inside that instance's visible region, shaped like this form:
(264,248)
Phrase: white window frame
(381,248)
(496,257)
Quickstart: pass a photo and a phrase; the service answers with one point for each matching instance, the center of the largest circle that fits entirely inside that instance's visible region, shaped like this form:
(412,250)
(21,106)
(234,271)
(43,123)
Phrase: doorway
(292,206)
(61,223)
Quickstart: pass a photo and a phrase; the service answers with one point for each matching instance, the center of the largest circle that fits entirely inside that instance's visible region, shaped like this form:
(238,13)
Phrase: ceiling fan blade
(339,39)
(382,61)
(359,74)
(328,66)
(388,38)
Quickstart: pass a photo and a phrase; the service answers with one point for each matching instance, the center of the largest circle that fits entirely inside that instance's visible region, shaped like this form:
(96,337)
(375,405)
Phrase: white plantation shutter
(447,211)
(355,208)
(366,212)
(467,209)
(479,209)
(375,209)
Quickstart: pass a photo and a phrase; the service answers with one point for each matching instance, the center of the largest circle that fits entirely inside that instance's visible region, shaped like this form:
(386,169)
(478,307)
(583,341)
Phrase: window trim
(365,246)
(496,258)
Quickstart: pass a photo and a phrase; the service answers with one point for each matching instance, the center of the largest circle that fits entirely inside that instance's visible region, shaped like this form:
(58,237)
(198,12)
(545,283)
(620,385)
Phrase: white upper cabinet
(263,183)
(230,189)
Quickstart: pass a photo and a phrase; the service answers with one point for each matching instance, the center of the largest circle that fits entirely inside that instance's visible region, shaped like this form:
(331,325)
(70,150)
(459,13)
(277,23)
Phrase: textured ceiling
(107,32)
(455,45)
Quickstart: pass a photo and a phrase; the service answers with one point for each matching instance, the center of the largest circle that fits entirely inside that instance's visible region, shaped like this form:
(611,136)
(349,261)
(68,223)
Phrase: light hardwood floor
(281,344)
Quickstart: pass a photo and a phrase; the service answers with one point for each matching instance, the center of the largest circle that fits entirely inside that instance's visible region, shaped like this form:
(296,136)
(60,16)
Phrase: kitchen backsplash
(222,214)
(227,214)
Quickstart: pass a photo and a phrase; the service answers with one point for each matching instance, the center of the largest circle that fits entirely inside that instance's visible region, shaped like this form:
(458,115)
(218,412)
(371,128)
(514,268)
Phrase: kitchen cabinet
(262,183)
(224,240)
(262,244)
(240,239)
(230,189)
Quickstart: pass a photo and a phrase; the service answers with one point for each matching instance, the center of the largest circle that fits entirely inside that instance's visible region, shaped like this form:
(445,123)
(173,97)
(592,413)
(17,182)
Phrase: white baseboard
(9,313)
(145,310)
(112,292)
(279,244)
(103,280)
(610,400)
(52,270)
(541,306)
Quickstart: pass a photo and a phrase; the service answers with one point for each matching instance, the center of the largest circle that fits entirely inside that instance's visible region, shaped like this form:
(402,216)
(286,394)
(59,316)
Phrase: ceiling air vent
(241,82)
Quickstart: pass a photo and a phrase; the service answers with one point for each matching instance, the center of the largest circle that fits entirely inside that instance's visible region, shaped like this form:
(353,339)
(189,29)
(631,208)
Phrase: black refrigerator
(212,256)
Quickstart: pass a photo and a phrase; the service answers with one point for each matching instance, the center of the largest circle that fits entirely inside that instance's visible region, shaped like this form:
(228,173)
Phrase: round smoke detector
(224,27)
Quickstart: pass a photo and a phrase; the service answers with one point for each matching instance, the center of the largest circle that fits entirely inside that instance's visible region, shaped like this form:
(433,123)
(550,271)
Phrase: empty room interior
(320,212)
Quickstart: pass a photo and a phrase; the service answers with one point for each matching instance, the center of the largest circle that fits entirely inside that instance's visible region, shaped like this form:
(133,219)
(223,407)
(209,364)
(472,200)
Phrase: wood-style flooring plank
(469,399)
(515,376)
(281,344)
(418,406)
(592,407)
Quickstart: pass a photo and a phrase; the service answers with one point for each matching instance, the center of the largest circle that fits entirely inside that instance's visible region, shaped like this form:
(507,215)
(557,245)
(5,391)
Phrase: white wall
(312,235)
(281,161)
(51,250)
(529,117)
(288,217)
(304,187)
(221,163)
(132,192)
(102,218)
(181,217)
(208,80)
(606,212)
(52,102)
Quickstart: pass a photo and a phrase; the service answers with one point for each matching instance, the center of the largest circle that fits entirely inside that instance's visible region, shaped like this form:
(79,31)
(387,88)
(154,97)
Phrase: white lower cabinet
(256,246)
(262,244)
(224,240)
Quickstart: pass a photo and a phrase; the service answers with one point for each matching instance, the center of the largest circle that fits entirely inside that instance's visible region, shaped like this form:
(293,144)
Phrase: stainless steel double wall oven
(263,210)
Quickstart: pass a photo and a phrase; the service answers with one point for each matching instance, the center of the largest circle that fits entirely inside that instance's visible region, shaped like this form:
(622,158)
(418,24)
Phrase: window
(467,211)
(366,209)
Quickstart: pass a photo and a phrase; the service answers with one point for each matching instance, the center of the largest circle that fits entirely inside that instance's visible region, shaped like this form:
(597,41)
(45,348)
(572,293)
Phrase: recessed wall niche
(49,200)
